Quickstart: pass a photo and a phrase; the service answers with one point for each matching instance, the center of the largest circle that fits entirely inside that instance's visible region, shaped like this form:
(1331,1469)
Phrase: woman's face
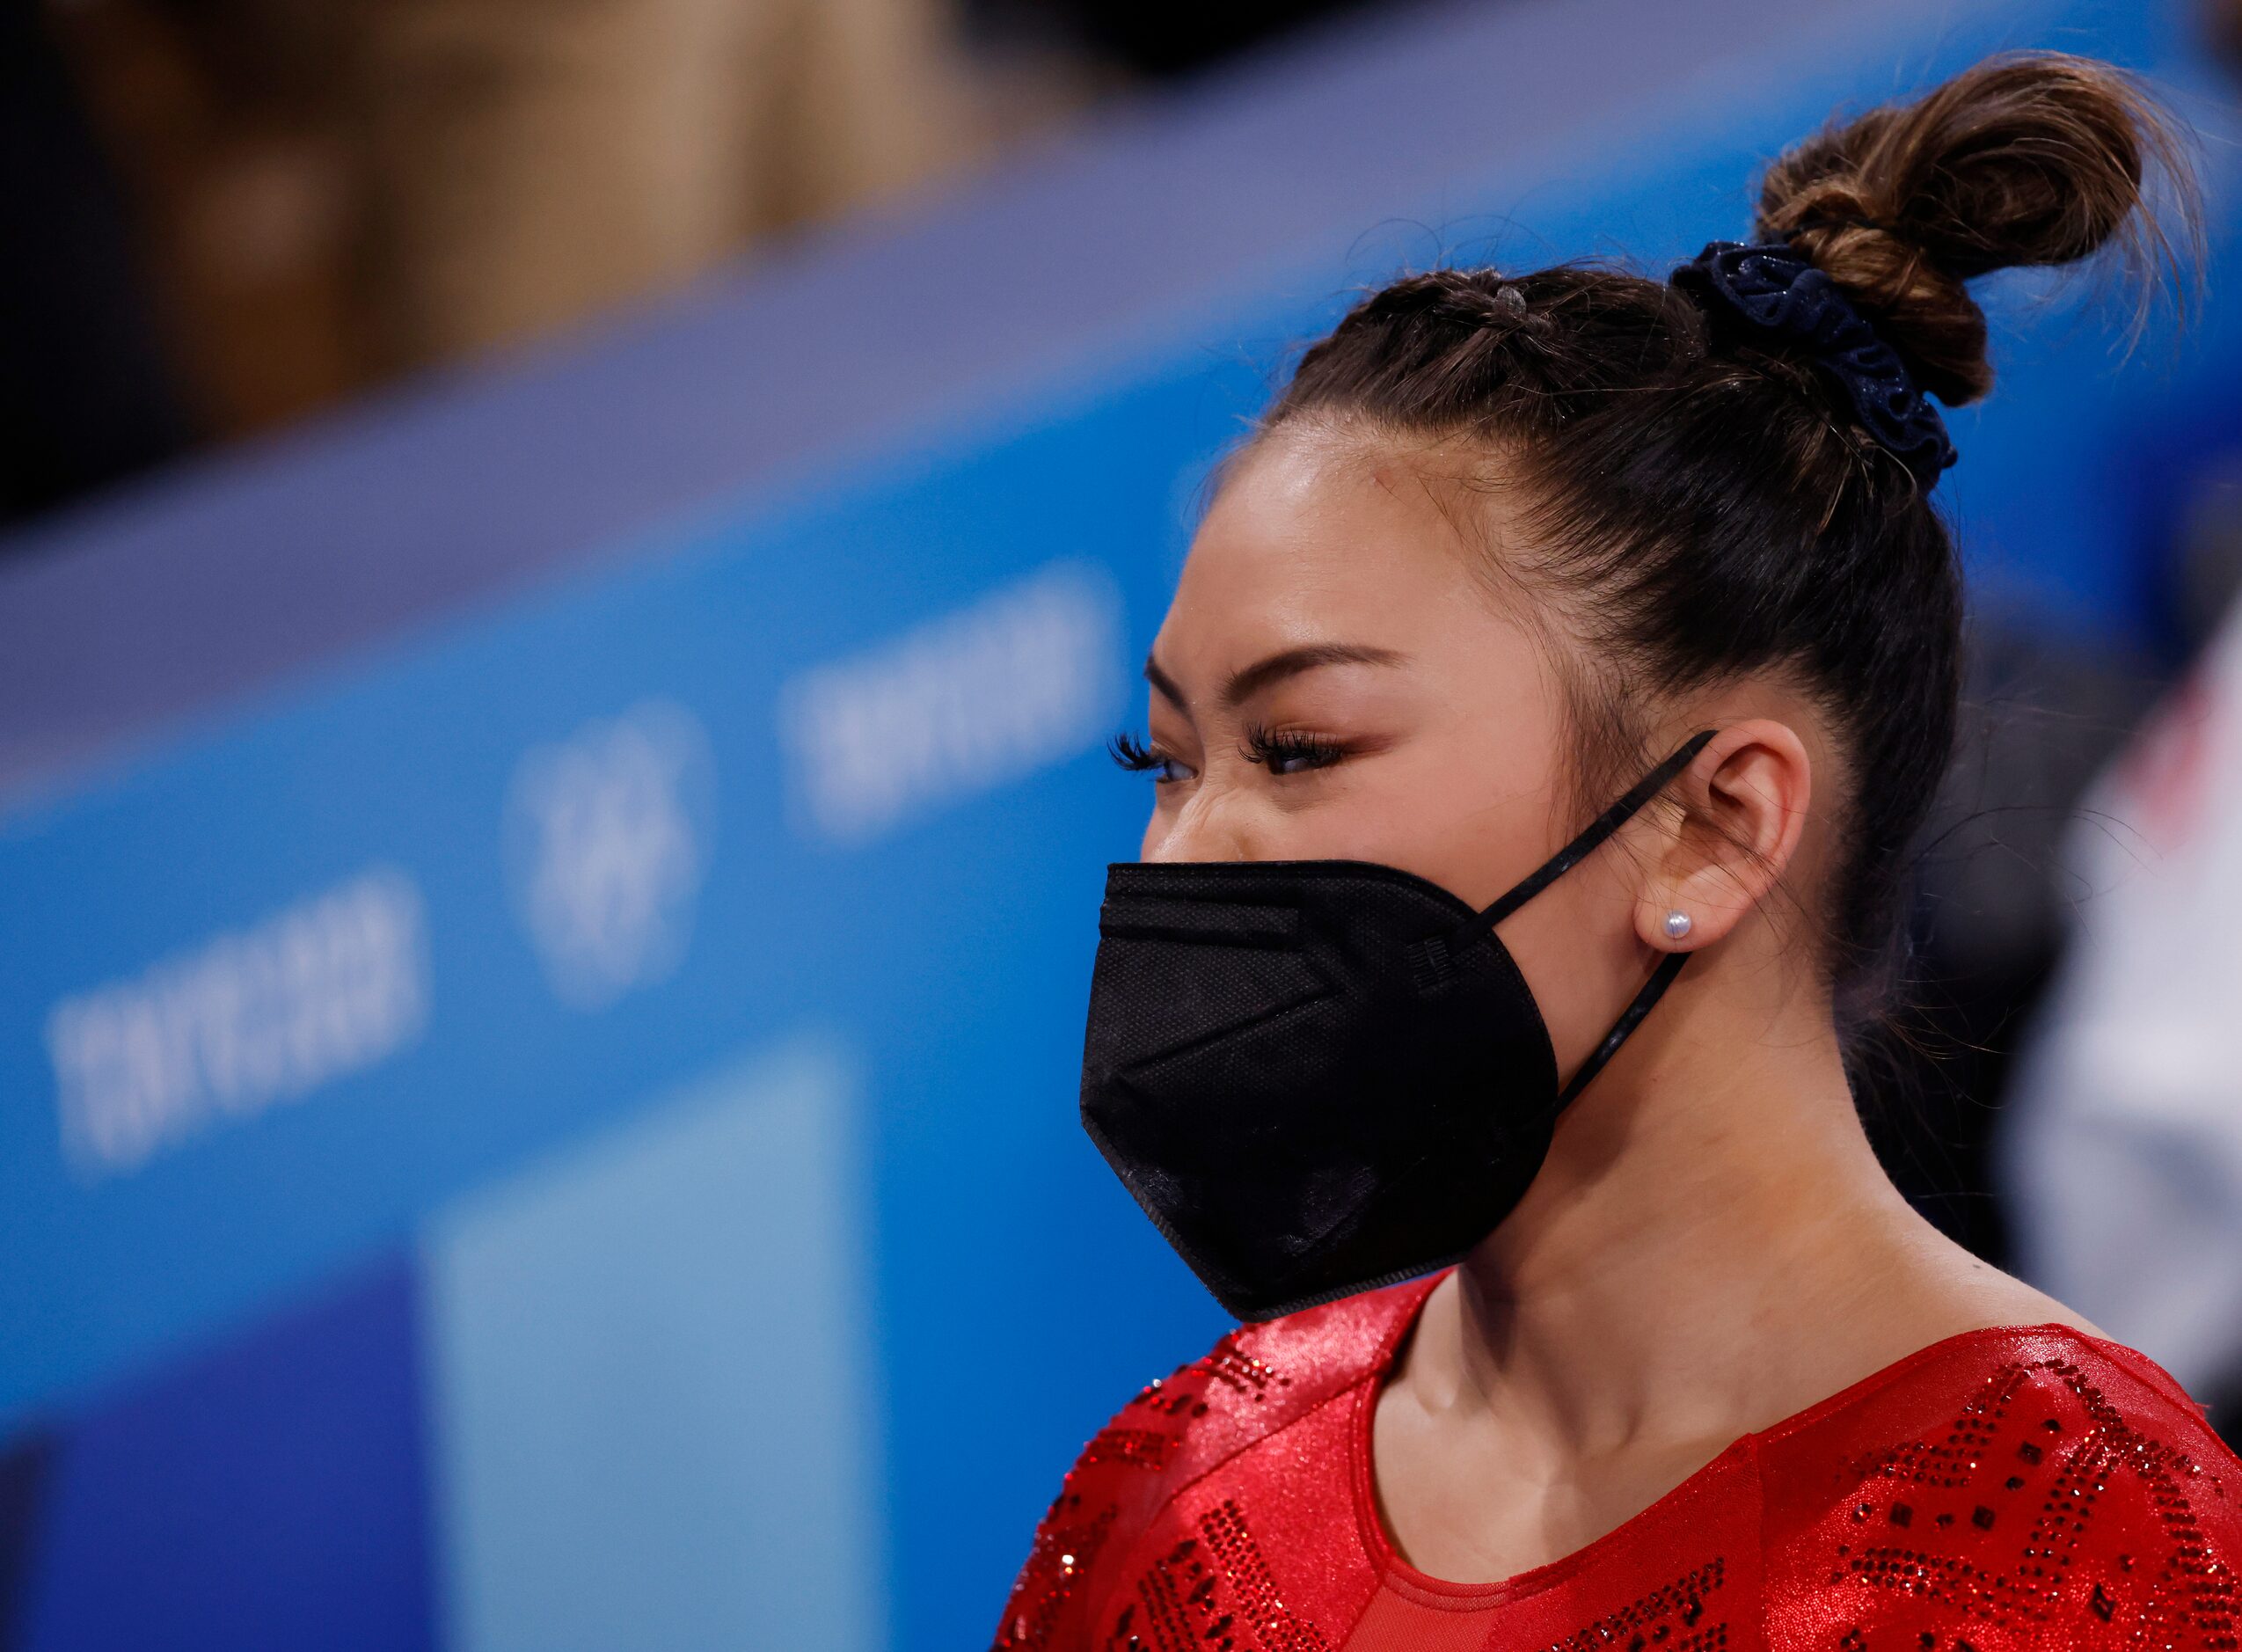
(1334,681)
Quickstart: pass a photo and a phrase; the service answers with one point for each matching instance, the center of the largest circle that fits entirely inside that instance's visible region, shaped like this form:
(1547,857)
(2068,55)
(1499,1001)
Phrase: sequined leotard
(2015,1488)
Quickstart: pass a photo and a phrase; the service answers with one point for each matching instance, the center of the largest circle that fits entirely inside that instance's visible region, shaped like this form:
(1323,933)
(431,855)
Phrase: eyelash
(1288,747)
(1137,758)
(1284,753)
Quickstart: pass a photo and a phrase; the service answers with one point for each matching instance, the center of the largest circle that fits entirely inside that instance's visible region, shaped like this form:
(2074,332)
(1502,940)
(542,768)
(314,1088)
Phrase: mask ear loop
(1580,848)
(1631,1018)
(1433,958)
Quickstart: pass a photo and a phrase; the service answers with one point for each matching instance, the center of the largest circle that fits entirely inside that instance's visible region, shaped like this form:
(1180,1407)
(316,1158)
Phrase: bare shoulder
(1955,1290)
(1995,1299)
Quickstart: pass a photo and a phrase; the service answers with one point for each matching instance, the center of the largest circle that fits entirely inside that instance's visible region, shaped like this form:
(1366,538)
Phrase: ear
(1742,810)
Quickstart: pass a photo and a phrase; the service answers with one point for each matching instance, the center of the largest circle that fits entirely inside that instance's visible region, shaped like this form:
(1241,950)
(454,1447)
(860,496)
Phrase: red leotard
(2027,1487)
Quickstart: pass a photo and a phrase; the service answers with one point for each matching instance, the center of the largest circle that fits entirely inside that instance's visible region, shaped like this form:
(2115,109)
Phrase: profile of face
(1338,677)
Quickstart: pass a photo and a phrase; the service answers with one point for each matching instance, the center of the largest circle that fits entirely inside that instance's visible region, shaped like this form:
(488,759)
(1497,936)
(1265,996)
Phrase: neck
(1705,1251)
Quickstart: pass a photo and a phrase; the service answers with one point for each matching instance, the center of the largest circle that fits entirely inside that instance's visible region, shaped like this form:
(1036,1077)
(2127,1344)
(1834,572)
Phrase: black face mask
(1319,1076)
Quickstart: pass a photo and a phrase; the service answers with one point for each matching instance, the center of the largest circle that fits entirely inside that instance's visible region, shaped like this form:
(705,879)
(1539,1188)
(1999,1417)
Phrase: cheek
(1467,800)
(1479,828)
(1573,942)
(1163,806)
(1456,813)
(1154,829)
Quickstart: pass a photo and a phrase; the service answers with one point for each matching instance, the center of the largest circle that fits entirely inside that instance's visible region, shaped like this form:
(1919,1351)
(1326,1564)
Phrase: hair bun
(2037,159)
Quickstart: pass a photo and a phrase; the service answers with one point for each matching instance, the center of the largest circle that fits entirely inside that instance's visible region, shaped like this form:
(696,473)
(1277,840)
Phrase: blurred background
(566,567)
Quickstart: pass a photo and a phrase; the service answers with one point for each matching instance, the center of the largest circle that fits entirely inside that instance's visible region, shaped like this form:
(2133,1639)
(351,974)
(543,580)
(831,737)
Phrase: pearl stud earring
(1678,926)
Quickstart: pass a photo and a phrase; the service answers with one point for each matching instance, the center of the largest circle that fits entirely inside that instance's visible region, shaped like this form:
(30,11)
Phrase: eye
(1289,752)
(1140,758)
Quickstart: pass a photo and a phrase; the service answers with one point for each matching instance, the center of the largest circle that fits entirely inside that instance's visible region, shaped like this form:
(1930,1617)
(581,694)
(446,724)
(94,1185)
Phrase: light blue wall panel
(652,1386)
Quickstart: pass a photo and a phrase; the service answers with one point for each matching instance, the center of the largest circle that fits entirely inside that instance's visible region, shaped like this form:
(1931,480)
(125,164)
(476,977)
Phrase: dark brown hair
(1698,509)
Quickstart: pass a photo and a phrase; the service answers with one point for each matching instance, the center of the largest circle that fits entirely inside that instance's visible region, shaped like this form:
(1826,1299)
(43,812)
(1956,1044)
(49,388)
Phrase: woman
(1509,549)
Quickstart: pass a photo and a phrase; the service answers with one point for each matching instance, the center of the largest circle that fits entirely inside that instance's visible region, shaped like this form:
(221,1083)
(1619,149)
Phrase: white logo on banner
(963,704)
(325,988)
(607,838)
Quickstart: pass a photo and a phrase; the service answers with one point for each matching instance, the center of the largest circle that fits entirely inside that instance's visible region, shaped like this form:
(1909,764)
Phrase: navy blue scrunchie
(1777,292)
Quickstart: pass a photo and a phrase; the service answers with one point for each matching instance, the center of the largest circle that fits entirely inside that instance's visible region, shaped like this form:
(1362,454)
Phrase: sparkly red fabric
(2013,1488)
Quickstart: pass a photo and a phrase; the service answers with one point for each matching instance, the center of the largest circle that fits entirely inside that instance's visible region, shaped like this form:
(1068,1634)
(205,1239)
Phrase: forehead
(1318,530)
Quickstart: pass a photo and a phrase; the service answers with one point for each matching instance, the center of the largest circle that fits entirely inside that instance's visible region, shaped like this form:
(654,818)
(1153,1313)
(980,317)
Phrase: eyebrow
(1266,673)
